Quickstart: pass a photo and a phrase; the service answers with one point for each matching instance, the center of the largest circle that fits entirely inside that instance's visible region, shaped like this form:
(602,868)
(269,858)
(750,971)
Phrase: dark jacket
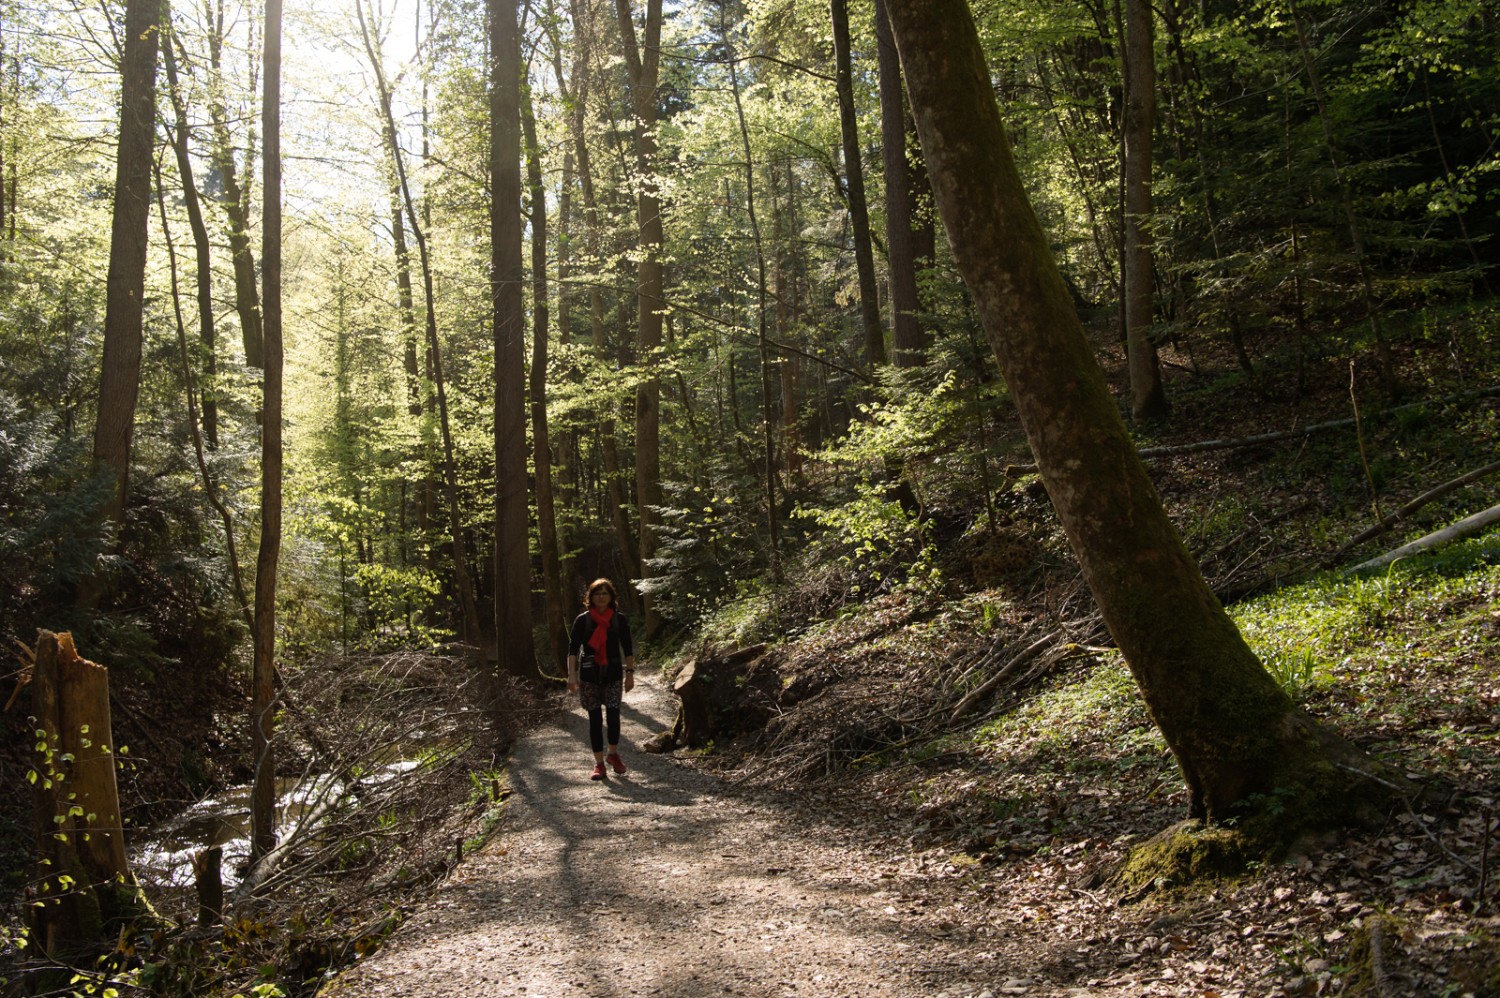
(617,648)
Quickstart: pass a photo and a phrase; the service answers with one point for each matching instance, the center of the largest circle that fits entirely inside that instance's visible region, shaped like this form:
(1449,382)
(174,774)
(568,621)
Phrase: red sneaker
(616,762)
(598,773)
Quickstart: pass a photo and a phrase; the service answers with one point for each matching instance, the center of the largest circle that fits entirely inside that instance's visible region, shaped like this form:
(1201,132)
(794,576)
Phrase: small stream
(166,854)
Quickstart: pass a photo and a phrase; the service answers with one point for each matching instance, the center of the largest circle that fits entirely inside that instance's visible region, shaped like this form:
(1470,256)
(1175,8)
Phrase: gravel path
(661,882)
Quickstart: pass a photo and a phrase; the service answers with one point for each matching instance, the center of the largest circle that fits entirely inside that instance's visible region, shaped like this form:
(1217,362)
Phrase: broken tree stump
(717,700)
(83,883)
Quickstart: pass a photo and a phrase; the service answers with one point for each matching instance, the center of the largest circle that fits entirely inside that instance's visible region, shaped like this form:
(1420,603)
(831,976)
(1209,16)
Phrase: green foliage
(50,536)
(706,550)
(1304,633)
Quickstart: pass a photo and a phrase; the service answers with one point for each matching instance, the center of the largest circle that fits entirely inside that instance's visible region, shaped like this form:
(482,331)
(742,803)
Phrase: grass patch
(1314,633)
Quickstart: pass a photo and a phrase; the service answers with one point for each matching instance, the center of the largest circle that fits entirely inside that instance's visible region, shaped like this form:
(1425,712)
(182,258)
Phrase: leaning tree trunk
(236,202)
(468,604)
(204,273)
(1234,733)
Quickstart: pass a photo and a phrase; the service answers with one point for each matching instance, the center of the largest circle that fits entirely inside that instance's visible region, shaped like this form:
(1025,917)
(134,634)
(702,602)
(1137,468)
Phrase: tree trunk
(210,487)
(642,62)
(854,172)
(767,400)
(1234,733)
(1147,400)
(515,649)
(786,316)
(120,370)
(204,274)
(236,202)
(262,683)
(406,306)
(908,339)
(541,447)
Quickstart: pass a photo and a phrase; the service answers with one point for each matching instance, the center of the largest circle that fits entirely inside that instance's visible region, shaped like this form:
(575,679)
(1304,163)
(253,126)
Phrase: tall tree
(515,649)
(541,445)
(468,605)
(1241,744)
(1147,399)
(908,338)
(262,682)
(854,179)
(643,65)
(236,196)
(584,31)
(201,256)
(120,370)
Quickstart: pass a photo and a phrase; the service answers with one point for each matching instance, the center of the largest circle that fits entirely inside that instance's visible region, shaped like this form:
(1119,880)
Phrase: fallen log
(1280,435)
(1466,527)
(1431,495)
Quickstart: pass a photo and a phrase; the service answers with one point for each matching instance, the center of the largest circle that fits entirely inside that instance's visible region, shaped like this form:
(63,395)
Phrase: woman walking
(601,666)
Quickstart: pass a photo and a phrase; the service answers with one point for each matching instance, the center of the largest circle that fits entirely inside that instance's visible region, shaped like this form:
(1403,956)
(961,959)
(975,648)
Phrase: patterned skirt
(592,695)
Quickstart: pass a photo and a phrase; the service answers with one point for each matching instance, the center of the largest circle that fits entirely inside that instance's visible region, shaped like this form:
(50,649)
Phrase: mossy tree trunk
(1234,732)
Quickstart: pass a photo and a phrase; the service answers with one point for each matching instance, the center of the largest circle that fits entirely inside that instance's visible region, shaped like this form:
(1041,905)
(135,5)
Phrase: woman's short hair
(595,586)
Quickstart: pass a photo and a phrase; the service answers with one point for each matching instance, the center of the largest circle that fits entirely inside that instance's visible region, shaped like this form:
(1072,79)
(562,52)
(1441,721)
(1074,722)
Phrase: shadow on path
(661,882)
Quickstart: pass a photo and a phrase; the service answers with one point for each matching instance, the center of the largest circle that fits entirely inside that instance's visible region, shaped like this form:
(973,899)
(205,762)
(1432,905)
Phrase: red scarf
(600,638)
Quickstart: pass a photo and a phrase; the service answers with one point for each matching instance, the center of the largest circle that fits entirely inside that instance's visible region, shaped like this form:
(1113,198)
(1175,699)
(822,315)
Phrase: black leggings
(596,726)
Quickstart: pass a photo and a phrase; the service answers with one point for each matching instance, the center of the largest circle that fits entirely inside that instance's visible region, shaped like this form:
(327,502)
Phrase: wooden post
(83,879)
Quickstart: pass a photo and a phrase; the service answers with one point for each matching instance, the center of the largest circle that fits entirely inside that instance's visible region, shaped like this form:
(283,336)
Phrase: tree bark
(909,340)
(1234,732)
(201,258)
(1147,400)
(77,803)
(120,369)
(262,683)
(515,649)
(642,62)
(854,172)
(236,200)
(541,447)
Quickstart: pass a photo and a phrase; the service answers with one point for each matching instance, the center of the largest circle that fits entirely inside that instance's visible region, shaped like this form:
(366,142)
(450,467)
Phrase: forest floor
(864,843)
(668,881)
(671,881)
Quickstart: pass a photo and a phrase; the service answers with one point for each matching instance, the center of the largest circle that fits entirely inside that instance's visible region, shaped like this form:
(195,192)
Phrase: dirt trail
(662,882)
